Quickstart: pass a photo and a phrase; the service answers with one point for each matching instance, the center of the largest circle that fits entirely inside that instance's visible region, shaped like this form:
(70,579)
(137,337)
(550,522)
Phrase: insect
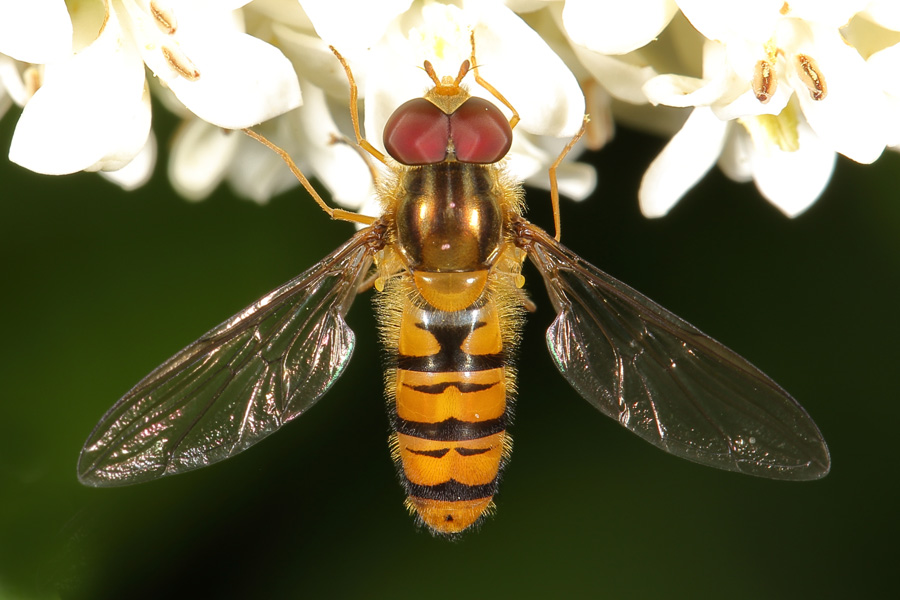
(446,258)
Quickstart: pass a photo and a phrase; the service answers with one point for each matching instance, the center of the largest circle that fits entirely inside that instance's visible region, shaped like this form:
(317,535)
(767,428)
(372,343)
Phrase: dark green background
(99,286)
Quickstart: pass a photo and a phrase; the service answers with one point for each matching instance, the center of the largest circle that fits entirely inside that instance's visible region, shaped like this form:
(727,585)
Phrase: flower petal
(200,158)
(531,156)
(682,91)
(520,64)
(11,81)
(575,180)
(262,174)
(793,181)
(5,102)
(244,81)
(683,162)
(736,159)
(851,117)
(828,14)
(616,27)
(352,26)
(623,79)
(884,12)
(315,62)
(337,165)
(733,20)
(92,111)
(885,65)
(137,172)
(307,134)
(237,81)
(35,32)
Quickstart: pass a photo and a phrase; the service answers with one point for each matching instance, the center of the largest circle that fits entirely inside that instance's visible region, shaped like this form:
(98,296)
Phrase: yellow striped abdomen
(451,410)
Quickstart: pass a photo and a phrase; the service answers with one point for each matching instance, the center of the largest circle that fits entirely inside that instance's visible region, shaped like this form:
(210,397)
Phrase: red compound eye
(480,132)
(417,133)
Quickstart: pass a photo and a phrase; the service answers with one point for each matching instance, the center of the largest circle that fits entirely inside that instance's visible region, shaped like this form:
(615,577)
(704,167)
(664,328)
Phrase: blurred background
(100,286)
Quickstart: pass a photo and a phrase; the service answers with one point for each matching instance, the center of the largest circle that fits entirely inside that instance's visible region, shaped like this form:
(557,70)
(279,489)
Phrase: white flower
(802,44)
(791,172)
(35,32)
(202,157)
(874,32)
(386,47)
(199,51)
(883,12)
(92,109)
(613,26)
(781,92)
(138,170)
(13,86)
(784,86)
(886,64)
(768,142)
(308,135)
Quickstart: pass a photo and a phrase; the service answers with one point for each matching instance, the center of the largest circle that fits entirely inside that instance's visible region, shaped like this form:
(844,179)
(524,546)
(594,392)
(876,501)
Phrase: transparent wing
(667,381)
(238,383)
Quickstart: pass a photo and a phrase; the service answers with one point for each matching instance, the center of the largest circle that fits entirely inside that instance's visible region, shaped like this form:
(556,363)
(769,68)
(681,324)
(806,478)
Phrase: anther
(181,63)
(165,18)
(811,76)
(764,81)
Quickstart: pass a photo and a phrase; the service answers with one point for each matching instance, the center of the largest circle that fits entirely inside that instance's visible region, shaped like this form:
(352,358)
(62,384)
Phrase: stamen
(811,76)
(165,18)
(764,81)
(180,63)
(32,79)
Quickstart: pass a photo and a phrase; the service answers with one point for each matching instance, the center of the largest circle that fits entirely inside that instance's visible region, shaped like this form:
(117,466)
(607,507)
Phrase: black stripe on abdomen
(439,453)
(450,362)
(450,330)
(451,491)
(462,386)
(451,430)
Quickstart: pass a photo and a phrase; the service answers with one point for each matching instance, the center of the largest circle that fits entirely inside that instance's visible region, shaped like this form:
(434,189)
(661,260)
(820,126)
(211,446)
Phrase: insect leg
(554,188)
(514,120)
(334,213)
(354,109)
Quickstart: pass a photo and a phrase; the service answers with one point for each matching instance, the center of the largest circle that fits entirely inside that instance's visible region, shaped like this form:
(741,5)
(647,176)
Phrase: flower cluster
(769,90)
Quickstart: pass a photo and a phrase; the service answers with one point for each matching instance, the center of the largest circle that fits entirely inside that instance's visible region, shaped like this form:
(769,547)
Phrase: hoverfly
(447,255)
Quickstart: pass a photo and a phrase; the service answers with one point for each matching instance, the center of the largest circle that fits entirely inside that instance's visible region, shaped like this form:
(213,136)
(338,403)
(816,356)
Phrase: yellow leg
(354,109)
(334,213)
(554,187)
(514,120)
